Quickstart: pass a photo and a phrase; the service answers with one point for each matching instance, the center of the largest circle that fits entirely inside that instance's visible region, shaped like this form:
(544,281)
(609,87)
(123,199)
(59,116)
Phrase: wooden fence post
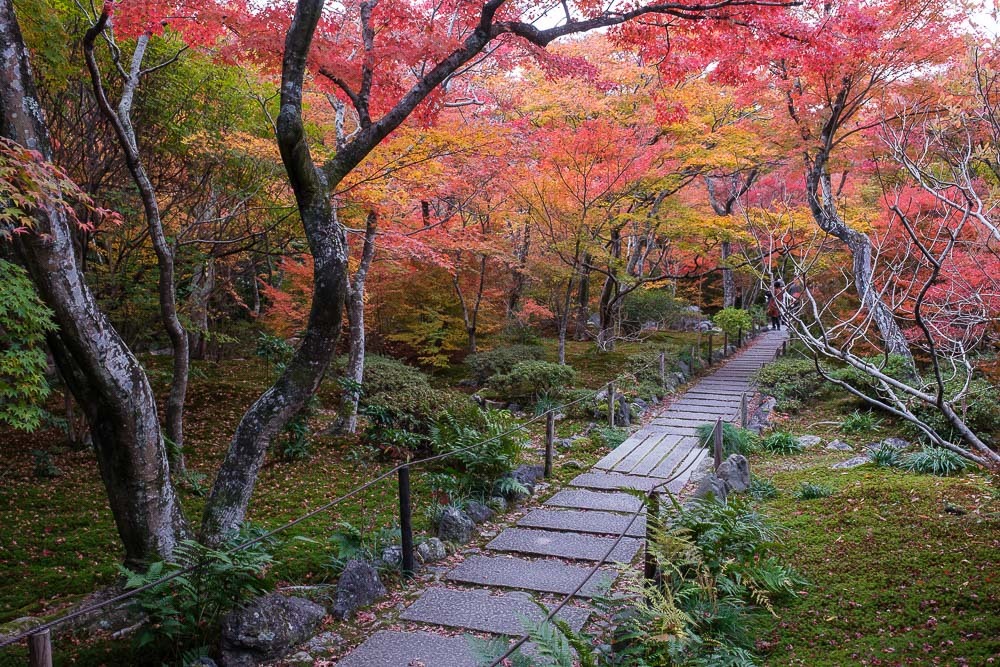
(663,370)
(40,649)
(709,348)
(611,403)
(725,344)
(743,410)
(652,516)
(406,521)
(718,443)
(550,434)
(739,338)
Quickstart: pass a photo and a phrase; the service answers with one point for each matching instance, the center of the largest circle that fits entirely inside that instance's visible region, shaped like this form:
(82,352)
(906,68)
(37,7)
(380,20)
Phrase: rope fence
(39,637)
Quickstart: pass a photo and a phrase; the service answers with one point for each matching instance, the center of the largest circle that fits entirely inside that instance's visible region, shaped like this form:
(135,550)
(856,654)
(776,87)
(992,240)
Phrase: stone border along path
(491,593)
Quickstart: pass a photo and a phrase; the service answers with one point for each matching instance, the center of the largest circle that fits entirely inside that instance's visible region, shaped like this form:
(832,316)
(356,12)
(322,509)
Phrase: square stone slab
(478,609)
(613,480)
(585,521)
(389,648)
(565,545)
(546,576)
(595,500)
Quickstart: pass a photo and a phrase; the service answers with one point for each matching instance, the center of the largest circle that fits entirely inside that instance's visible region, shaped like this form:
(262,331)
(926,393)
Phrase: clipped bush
(791,381)
(532,379)
(732,321)
(813,491)
(501,360)
(935,461)
(735,440)
(385,375)
(648,305)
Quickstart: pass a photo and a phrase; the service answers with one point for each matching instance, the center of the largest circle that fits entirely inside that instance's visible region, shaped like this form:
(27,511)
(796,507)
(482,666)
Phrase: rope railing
(42,630)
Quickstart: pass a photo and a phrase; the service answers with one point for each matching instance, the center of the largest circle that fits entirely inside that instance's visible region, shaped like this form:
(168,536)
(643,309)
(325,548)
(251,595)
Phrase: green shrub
(501,360)
(979,409)
(860,423)
(350,543)
(762,488)
(400,421)
(735,440)
(484,448)
(611,436)
(186,610)
(24,321)
(885,456)
(812,491)
(45,467)
(791,381)
(935,461)
(385,375)
(732,321)
(648,305)
(781,442)
(532,379)
(580,403)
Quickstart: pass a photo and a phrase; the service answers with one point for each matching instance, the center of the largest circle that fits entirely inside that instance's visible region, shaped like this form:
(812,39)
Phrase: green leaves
(24,321)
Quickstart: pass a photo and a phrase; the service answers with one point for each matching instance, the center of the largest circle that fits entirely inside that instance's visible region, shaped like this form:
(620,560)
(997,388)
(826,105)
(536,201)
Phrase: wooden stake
(550,434)
(718,442)
(406,521)
(40,649)
(611,404)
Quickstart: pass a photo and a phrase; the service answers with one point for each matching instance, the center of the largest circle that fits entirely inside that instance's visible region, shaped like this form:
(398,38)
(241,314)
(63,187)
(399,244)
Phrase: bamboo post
(406,521)
(652,516)
(718,442)
(40,649)
(611,403)
(743,410)
(663,370)
(550,434)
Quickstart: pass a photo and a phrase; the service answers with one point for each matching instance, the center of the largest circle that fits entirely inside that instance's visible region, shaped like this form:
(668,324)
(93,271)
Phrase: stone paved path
(552,549)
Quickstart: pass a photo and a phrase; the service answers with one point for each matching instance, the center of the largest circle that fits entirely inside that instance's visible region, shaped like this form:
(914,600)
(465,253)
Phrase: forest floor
(902,567)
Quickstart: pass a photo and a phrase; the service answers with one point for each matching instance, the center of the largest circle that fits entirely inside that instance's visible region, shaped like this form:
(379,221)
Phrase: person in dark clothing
(773,309)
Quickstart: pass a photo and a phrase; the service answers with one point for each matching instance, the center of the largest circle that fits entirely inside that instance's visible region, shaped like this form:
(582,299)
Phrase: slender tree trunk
(520,280)
(105,377)
(347,421)
(583,299)
(202,286)
(822,203)
(121,121)
(728,281)
(227,504)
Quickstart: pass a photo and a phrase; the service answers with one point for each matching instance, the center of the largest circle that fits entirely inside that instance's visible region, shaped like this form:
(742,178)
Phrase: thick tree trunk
(227,505)
(105,377)
(121,121)
(347,421)
(606,313)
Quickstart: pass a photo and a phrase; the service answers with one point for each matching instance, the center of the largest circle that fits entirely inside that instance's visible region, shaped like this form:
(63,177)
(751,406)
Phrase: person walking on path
(773,308)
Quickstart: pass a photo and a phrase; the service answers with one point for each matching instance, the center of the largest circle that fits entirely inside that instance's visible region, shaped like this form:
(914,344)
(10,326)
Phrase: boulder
(895,443)
(623,416)
(498,503)
(478,512)
(528,474)
(359,585)
(735,473)
(572,464)
(711,485)
(809,441)
(203,661)
(455,526)
(683,368)
(840,446)
(300,659)
(266,629)
(851,463)
(392,556)
(325,642)
(431,550)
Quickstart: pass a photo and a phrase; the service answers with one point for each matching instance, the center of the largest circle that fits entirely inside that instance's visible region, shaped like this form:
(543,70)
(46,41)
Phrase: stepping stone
(585,521)
(595,500)
(389,648)
(476,609)
(546,576)
(613,480)
(564,545)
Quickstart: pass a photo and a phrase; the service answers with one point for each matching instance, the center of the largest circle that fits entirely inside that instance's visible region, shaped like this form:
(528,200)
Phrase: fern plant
(483,448)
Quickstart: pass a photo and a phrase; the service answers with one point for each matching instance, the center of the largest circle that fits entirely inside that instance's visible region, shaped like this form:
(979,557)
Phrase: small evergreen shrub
(45,467)
(885,456)
(792,381)
(532,379)
(762,488)
(860,423)
(732,321)
(781,442)
(350,542)
(735,440)
(611,436)
(813,491)
(501,360)
(935,461)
